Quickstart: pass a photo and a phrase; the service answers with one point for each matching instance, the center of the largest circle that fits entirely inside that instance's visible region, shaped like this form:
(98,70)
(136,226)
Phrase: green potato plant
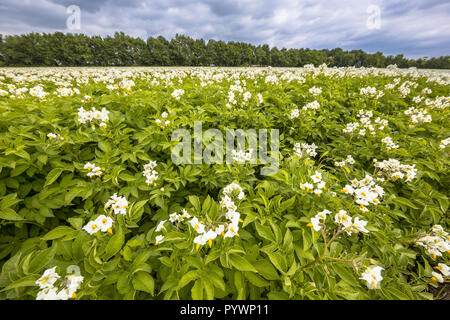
(93,207)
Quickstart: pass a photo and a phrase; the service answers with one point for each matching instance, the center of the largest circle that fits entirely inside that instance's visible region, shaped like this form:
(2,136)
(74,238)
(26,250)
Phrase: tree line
(67,49)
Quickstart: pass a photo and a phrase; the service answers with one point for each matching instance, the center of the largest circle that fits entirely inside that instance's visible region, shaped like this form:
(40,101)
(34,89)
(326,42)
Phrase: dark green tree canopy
(67,49)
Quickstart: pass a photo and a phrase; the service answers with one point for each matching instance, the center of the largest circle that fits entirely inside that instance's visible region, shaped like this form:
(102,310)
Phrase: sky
(415,28)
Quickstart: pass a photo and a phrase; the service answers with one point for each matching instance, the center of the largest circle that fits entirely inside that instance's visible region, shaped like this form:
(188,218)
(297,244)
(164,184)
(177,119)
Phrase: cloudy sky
(415,28)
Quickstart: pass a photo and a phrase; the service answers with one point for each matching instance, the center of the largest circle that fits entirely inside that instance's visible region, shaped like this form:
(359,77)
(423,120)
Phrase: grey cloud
(415,28)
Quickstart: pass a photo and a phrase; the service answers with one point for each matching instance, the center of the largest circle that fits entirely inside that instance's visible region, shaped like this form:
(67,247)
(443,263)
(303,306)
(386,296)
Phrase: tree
(2,55)
(67,49)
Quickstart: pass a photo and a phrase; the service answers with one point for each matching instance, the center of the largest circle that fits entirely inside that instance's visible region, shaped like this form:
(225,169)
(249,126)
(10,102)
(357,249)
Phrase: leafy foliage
(47,198)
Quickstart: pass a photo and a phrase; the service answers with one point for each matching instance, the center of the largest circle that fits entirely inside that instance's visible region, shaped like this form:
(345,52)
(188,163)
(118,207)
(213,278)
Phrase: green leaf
(213,255)
(59,232)
(77,245)
(265,232)
(9,200)
(28,281)
(76,222)
(216,280)
(127,177)
(404,201)
(209,288)
(143,281)
(277,295)
(195,201)
(188,277)
(397,294)
(197,290)
(346,275)
(23,154)
(9,214)
(18,170)
(42,259)
(136,209)
(52,176)
(287,238)
(241,263)
(138,205)
(104,146)
(256,280)
(278,261)
(266,269)
(287,204)
(115,243)
(307,240)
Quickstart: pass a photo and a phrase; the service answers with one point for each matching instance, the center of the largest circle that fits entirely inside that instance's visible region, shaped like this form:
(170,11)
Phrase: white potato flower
(444,269)
(159,239)
(373,277)
(316,177)
(91,227)
(104,223)
(48,278)
(437,277)
(118,204)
